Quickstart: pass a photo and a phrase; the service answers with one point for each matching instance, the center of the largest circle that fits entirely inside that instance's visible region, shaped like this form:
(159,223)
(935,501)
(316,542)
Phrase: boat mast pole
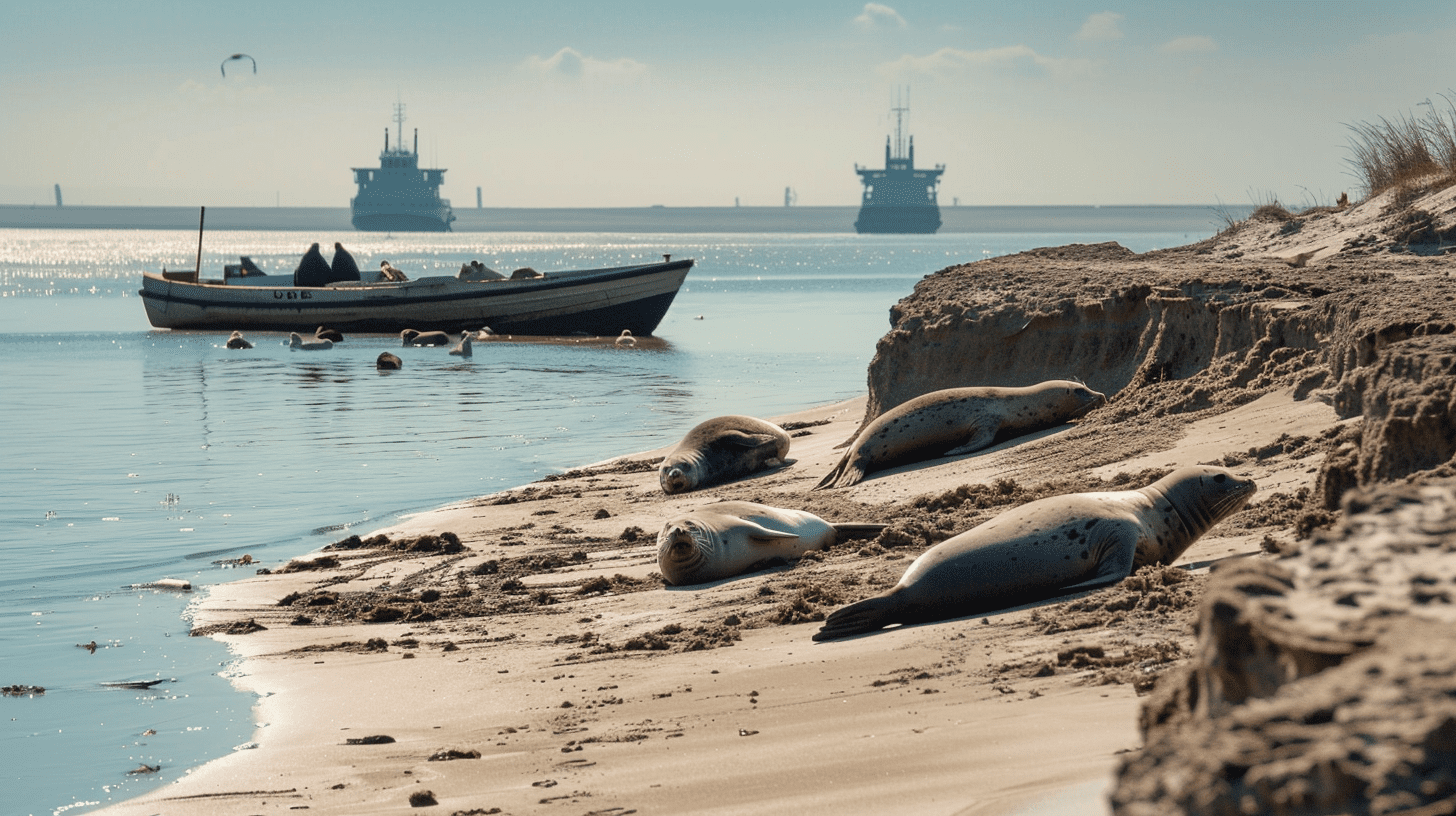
(201,216)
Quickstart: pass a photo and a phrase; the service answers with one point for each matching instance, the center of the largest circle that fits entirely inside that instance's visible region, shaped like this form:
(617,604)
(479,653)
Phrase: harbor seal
(295,340)
(722,449)
(312,269)
(462,349)
(730,538)
(237,341)
(625,339)
(956,421)
(343,265)
(326,333)
(388,362)
(389,273)
(410,337)
(1049,547)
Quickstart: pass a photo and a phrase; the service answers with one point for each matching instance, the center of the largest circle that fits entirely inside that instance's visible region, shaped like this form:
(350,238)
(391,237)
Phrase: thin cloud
(1189,45)
(951,61)
(568,63)
(1101,27)
(876,15)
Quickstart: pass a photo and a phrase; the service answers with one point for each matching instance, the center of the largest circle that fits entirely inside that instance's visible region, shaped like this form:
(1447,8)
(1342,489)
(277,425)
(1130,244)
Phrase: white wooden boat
(593,301)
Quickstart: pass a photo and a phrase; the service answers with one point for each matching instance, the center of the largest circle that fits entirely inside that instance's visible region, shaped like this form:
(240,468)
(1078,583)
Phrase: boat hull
(400,222)
(917,219)
(598,302)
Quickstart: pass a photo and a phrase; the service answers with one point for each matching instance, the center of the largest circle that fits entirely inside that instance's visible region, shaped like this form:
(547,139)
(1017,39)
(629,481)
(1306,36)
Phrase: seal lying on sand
(237,341)
(730,538)
(956,421)
(722,449)
(410,337)
(1051,547)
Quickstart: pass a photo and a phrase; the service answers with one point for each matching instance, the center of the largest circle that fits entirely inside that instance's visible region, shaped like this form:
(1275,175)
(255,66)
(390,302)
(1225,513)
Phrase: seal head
(238,341)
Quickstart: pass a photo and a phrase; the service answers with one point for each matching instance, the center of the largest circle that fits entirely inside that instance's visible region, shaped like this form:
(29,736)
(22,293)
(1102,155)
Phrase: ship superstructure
(399,195)
(900,197)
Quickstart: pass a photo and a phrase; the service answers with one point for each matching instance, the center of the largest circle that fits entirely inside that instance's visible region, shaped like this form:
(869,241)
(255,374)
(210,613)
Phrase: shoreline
(769,722)
(1199,219)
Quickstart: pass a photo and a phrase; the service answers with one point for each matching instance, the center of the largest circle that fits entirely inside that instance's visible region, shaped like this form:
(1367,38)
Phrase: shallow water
(133,455)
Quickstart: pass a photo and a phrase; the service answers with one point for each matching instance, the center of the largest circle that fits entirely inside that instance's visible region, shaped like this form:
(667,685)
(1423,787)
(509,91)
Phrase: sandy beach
(518,653)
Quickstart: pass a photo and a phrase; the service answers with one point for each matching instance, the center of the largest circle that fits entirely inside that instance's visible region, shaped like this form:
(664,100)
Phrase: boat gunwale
(369,294)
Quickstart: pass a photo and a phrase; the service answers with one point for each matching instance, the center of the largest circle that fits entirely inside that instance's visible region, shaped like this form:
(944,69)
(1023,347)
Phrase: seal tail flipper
(845,473)
(849,531)
(869,615)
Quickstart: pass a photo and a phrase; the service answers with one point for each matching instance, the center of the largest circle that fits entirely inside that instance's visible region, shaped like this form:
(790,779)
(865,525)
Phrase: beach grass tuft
(1406,151)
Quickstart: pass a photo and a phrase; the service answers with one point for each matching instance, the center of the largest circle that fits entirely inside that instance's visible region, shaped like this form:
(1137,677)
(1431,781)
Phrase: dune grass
(1405,151)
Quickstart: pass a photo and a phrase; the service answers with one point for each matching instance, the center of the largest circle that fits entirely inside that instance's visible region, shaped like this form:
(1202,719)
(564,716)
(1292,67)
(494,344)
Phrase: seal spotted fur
(722,449)
(956,421)
(1051,547)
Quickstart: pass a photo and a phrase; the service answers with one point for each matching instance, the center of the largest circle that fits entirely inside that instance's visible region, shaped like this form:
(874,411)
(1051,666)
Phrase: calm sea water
(132,455)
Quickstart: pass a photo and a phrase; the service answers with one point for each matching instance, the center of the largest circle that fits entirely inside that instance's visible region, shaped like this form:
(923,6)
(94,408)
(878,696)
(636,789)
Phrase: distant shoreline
(1199,219)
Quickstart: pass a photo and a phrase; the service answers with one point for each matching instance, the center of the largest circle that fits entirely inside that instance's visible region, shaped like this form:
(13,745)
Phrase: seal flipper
(869,615)
(846,473)
(762,534)
(982,438)
(1116,565)
(743,439)
(854,530)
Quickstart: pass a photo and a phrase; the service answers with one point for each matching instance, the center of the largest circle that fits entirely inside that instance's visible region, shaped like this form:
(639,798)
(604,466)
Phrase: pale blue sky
(601,104)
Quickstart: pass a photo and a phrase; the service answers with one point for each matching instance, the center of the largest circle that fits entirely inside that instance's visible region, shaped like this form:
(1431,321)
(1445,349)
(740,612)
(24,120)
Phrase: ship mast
(901,111)
(399,125)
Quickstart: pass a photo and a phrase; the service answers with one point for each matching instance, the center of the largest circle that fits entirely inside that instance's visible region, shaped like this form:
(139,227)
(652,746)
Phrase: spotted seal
(956,421)
(722,449)
(388,362)
(463,348)
(1051,547)
(729,538)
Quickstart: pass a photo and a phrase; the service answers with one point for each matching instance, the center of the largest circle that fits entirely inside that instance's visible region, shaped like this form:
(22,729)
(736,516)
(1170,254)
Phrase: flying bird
(223,67)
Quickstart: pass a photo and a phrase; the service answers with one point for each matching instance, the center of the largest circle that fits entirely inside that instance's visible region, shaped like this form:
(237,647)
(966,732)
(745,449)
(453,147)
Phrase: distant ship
(899,198)
(398,196)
